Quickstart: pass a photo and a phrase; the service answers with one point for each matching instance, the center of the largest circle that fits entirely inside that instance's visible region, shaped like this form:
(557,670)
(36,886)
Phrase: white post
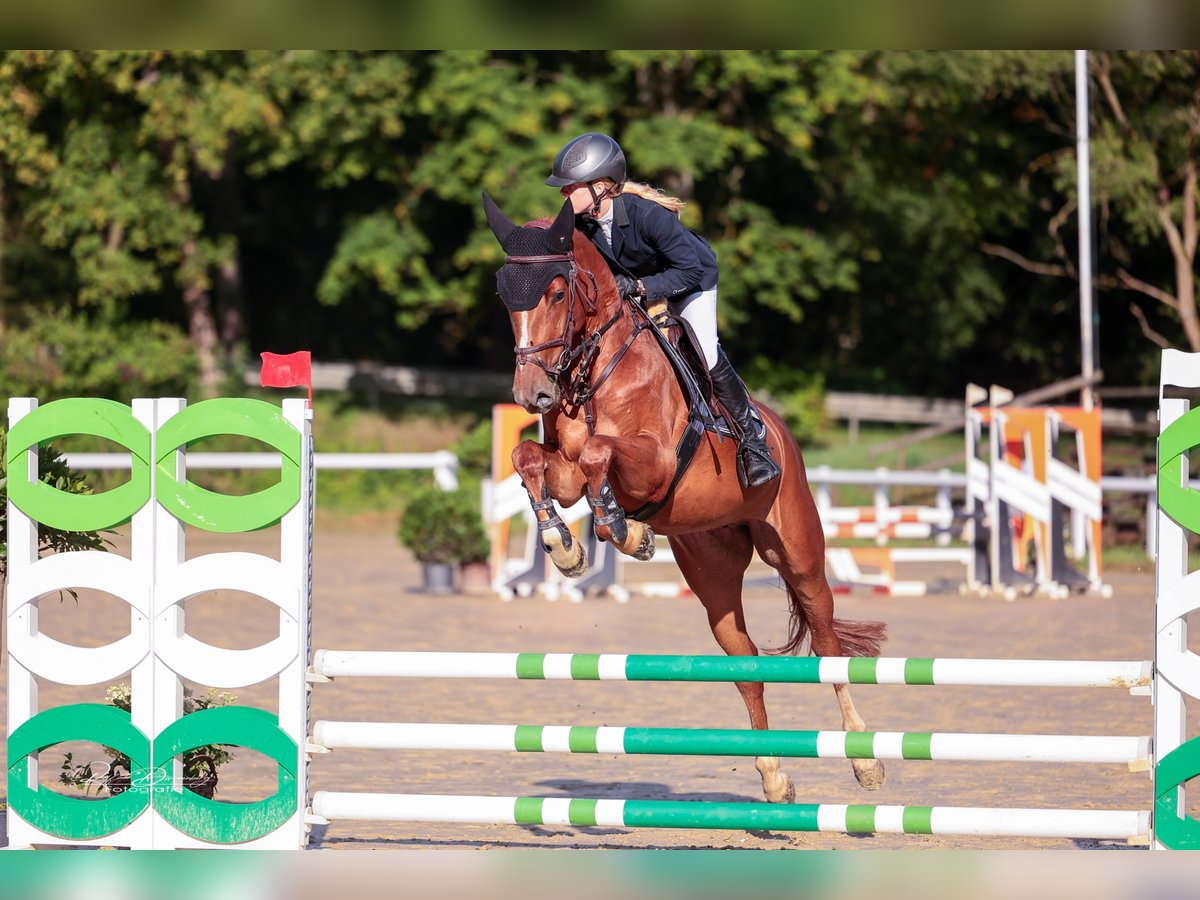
(169,554)
(295,556)
(824,492)
(943,502)
(21,619)
(1151,523)
(882,505)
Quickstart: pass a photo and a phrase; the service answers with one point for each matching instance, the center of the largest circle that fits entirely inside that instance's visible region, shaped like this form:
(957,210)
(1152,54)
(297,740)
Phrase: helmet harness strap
(597,199)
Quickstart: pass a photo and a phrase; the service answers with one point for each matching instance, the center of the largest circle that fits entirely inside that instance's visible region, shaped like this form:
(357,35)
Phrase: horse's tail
(857,638)
(860,638)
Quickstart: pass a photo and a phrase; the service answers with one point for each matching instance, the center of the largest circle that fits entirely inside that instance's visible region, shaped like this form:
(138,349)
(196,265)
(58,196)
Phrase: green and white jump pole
(857,819)
(1132,674)
(1129,751)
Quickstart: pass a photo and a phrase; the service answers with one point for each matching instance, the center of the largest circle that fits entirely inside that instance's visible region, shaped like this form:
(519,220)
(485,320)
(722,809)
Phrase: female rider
(652,255)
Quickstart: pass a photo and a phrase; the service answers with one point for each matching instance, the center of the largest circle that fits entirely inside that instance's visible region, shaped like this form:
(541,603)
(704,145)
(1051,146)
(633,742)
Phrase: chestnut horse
(613,413)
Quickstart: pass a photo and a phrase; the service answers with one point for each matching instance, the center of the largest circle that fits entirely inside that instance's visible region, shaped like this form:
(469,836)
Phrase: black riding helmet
(587,158)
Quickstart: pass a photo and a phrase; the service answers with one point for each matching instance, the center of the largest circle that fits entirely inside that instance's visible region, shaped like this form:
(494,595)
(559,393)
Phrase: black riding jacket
(652,244)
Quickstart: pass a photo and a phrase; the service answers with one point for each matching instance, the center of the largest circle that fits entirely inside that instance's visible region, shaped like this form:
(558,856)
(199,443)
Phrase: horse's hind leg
(791,552)
(713,563)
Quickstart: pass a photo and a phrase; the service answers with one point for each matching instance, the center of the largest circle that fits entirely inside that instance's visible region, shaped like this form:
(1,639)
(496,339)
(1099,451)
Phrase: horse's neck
(642,376)
(643,366)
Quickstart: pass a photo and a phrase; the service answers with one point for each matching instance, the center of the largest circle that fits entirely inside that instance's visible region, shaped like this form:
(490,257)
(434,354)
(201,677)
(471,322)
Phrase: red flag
(288,370)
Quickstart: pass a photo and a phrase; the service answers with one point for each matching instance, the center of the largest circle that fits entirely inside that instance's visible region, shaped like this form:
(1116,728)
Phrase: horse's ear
(502,226)
(562,233)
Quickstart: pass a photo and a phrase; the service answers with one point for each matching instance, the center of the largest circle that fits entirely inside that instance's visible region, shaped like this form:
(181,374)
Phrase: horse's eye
(557,296)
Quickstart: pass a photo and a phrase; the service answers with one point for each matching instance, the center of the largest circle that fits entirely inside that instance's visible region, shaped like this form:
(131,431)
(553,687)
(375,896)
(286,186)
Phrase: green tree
(885,220)
(1145,121)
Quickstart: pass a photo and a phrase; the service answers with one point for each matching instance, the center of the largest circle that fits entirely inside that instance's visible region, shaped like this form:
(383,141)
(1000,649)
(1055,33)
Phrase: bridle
(579,390)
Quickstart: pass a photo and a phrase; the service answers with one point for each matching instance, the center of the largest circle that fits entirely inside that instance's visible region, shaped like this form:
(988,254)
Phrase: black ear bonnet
(521,285)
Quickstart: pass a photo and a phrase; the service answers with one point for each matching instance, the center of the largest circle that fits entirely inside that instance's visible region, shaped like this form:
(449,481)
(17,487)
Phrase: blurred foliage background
(890,221)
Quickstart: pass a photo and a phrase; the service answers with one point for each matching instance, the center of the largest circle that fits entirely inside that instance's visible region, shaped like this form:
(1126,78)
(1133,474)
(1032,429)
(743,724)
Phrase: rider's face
(581,198)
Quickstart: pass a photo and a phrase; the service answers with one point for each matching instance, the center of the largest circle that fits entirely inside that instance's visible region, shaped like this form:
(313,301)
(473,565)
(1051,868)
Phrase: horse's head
(539,285)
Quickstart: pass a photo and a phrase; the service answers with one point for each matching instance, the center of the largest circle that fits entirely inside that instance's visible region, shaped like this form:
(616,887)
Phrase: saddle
(680,346)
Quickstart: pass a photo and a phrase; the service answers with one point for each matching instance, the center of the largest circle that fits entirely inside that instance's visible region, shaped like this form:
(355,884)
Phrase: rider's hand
(629,287)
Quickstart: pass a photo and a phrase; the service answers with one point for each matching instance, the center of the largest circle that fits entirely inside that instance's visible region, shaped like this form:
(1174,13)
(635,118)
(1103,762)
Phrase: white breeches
(699,310)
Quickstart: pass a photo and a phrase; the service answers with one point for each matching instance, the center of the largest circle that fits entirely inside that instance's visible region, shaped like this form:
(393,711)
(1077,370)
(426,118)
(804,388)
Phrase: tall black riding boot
(755,466)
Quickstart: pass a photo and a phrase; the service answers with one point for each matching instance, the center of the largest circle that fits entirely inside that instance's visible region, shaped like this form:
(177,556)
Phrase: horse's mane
(585,250)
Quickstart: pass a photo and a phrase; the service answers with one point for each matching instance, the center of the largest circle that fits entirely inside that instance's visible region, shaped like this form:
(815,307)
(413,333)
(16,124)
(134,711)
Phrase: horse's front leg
(548,475)
(644,470)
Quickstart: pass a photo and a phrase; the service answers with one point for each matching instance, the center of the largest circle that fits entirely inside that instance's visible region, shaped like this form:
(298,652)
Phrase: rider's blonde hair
(646,192)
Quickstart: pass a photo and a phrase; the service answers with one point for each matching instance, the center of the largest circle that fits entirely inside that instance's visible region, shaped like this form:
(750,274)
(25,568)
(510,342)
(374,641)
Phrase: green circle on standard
(68,817)
(194,505)
(1173,827)
(227,823)
(1175,498)
(79,512)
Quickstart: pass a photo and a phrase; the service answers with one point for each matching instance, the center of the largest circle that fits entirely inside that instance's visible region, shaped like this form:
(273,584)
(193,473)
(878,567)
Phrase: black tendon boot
(755,466)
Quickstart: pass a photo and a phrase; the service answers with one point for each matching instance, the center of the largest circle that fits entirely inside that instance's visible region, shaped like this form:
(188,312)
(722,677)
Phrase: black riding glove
(629,287)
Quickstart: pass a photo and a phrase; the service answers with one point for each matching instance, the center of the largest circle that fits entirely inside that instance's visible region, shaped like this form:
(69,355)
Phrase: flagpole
(1083,163)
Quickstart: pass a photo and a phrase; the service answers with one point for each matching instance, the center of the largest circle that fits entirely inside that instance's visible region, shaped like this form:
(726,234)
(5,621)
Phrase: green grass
(838,451)
(1132,558)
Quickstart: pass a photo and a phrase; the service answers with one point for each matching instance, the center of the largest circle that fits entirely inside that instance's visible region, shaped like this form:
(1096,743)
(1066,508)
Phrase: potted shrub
(474,561)
(443,530)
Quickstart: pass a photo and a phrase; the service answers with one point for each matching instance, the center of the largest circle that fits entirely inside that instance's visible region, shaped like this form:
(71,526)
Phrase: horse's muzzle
(543,403)
(534,391)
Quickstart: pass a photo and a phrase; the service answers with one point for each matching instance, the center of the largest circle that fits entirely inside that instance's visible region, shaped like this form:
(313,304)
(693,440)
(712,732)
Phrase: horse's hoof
(579,568)
(570,559)
(869,773)
(782,791)
(646,548)
(777,786)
